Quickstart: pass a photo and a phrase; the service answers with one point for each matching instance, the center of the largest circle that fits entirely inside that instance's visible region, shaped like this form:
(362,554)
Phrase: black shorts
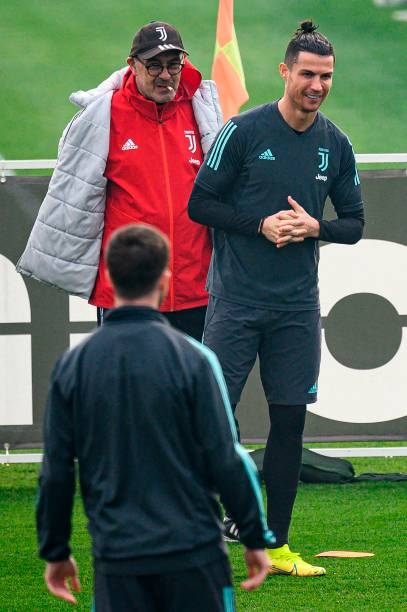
(204,589)
(288,345)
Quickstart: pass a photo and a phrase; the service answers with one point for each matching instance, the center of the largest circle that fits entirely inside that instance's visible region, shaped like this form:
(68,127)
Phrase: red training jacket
(154,156)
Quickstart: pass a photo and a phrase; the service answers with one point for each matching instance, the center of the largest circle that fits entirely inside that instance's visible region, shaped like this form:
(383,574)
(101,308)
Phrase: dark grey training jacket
(145,410)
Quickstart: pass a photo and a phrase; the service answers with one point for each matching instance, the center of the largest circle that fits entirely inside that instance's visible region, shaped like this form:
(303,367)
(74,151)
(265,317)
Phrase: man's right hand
(56,577)
(288,226)
(257,563)
(272,225)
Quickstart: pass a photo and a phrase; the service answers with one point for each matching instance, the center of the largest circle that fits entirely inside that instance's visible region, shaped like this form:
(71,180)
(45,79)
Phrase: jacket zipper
(170,211)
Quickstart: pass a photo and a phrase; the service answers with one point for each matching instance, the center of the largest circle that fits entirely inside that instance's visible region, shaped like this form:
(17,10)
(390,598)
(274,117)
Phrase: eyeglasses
(156,68)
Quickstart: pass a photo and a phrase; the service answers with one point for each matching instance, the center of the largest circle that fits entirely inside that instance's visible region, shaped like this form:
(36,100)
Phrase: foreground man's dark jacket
(145,411)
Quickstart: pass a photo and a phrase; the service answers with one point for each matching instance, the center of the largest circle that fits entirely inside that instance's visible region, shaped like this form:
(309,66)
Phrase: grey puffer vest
(63,249)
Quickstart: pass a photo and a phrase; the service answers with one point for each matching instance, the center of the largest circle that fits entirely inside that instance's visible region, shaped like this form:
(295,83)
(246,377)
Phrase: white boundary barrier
(46,164)
(386,451)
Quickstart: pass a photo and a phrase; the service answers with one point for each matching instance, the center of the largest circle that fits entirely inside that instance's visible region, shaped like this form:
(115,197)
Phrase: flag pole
(227,68)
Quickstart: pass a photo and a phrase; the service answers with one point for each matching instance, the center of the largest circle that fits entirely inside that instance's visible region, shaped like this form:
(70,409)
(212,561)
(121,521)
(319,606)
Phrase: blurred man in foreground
(145,411)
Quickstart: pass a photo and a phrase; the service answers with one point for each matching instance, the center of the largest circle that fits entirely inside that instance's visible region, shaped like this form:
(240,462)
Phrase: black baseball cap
(154,38)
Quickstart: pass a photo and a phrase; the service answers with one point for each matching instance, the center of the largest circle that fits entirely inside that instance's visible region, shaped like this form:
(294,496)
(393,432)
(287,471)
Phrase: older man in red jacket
(154,157)
(131,155)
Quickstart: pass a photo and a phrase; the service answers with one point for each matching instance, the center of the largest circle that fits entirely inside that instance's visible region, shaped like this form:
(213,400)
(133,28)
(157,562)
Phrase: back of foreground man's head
(136,257)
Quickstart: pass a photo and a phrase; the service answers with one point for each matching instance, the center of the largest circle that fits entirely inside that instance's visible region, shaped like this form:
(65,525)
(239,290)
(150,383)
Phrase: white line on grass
(363,451)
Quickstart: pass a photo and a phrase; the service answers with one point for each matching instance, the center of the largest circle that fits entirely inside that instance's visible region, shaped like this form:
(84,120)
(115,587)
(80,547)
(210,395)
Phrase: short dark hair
(136,256)
(306,38)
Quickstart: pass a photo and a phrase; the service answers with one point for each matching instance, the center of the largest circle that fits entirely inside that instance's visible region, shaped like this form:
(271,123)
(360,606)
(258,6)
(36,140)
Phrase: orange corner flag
(227,69)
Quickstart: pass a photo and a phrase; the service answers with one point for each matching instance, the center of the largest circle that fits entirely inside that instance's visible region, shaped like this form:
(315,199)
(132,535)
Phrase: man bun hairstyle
(306,27)
(136,256)
(306,38)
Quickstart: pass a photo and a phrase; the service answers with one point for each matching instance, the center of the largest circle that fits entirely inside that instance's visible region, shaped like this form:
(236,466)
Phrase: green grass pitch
(368,516)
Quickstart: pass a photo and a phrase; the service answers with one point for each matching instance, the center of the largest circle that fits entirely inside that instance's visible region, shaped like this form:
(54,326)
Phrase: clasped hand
(293,225)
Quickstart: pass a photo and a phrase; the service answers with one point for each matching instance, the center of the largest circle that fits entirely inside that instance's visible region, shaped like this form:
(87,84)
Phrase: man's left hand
(296,228)
(257,563)
(57,574)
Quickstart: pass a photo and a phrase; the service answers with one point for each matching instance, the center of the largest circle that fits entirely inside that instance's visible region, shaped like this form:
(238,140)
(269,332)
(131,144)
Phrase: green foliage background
(49,48)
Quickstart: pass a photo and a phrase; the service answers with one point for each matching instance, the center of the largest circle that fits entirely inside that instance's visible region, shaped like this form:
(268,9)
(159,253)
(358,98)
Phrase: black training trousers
(190,321)
(281,466)
(199,589)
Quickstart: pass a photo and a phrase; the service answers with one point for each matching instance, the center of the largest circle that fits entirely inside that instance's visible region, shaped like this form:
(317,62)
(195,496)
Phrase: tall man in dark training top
(263,189)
